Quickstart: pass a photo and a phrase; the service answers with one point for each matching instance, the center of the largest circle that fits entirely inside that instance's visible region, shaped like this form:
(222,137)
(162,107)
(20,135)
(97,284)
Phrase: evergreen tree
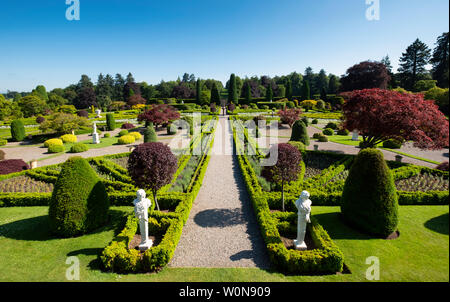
(412,64)
(333,85)
(269,93)
(198,90)
(440,61)
(130,78)
(215,95)
(232,90)
(306,93)
(119,83)
(289,90)
(248,93)
(41,92)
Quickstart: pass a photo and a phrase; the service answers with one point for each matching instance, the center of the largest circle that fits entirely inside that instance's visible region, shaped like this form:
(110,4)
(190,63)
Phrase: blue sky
(162,39)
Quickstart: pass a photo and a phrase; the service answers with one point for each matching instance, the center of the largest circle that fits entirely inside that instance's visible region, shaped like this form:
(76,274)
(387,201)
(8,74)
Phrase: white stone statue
(141,206)
(355,136)
(303,205)
(95,135)
(98,112)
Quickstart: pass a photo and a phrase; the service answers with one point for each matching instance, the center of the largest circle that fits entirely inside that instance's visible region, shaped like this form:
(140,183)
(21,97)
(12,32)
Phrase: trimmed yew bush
(369,200)
(123,132)
(392,144)
(343,132)
(126,139)
(79,202)
(56,149)
(53,142)
(137,135)
(69,138)
(328,131)
(78,148)
(110,122)
(151,166)
(17,131)
(300,133)
(150,135)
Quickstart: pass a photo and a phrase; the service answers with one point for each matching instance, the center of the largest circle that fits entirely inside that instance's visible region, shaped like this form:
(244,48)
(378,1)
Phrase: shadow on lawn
(38,229)
(337,228)
(438,224)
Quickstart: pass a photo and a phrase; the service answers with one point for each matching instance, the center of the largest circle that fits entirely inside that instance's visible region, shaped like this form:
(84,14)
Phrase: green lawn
(29,253)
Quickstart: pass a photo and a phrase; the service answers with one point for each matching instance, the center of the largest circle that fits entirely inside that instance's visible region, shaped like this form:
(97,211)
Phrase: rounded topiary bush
(110,122)
(331,125)
(3,142)
(126,139)
(323,139)
(299,145)
(56,149)
(83,113)
(123,132)
(78,148)
(8,166)
(53,142)
(314,122)
(369,200)
(17,131)
(106,135)
(40,119)
(317,135)
(392,144)
(150,135)
(328,131)
(69,138)
(137,135)
(79,202)
(300,133)
(343,132)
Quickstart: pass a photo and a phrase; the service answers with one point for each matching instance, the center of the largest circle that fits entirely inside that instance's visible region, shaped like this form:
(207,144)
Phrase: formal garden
(295,178)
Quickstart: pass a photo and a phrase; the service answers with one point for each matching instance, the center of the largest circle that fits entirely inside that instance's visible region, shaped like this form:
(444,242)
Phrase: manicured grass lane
(29,253)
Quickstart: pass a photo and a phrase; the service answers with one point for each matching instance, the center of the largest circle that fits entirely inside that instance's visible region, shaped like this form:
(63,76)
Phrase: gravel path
(222,230)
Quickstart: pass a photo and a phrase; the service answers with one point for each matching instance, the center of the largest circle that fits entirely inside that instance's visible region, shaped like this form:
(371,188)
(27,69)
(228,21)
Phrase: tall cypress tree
(198,90)
(412,64)
(248,93)
(306,94)
(232,90)
(269,93)
(215,95)
(289,90)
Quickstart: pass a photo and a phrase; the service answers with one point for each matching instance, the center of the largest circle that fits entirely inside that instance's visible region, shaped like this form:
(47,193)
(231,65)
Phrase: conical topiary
(369,199)
(150,135)
(79,202)
(300,133)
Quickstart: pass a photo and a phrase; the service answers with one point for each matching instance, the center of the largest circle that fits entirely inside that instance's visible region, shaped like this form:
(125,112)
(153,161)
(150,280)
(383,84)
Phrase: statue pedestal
(145,246)
(300,246)
(95,138)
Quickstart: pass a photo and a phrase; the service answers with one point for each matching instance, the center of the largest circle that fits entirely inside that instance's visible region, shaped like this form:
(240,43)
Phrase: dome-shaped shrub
(300,133)
(328,131)
(332,125)
(126,139)
(69,138)
(322,138)
(78,148)
(83,113)
(315,122)
(343,132)
(53,142)
(369,199)
(392,144)
(123,132)
(56,149)
(150,135)
(127,126)
(137,135)
(17,131)
(79,202)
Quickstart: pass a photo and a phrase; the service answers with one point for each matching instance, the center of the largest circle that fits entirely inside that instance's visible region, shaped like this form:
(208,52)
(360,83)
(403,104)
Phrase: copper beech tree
(159,115)
(380,115)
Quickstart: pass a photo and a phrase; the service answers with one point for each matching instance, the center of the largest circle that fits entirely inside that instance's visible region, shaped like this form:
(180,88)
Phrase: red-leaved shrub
(12,165)
(443,166)
(128,126)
